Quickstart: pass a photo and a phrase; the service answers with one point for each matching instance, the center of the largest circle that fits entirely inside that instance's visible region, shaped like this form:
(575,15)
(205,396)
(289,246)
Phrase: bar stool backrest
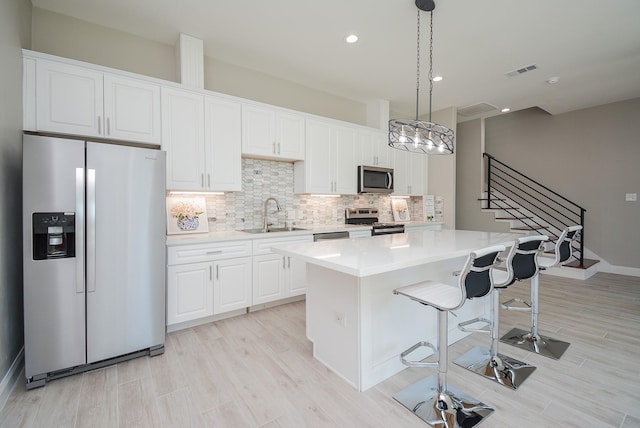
(522,260)
(564,247)
(475,278)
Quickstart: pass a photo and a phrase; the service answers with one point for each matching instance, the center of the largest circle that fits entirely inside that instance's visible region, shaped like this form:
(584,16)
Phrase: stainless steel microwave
(373,179)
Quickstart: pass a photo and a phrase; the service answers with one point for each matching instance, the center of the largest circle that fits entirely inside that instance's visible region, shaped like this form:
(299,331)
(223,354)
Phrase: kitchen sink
(273,229)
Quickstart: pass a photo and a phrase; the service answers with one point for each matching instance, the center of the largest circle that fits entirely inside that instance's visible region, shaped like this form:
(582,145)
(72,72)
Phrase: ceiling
(592,47)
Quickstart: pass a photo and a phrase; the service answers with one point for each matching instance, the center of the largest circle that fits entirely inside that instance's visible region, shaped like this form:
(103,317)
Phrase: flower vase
(188,223)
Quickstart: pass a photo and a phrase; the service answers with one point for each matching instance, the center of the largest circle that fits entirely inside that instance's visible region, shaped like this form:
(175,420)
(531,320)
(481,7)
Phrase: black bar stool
(532,340)
(521,264)
(431,399)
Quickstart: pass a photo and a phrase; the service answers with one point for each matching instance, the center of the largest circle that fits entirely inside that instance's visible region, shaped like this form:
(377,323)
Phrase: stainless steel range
(369,216)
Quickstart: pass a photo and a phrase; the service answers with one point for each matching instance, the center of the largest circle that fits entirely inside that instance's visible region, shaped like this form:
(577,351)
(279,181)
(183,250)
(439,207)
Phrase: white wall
(15,23)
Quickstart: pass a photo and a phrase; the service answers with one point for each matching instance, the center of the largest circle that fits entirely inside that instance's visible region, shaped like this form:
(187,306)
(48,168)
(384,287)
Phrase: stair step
(530,228)
(502,209)
(587,263)
(513,218)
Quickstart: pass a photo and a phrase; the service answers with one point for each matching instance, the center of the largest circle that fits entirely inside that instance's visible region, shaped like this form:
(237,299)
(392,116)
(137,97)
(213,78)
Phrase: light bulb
(416,139)
(403,135)
(441,149)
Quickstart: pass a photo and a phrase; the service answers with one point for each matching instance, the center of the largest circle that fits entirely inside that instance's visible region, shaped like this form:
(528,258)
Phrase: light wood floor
(257,371)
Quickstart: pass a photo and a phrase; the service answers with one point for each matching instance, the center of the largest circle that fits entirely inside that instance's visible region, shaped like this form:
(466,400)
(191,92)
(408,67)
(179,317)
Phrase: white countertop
(385,253)
(236,235)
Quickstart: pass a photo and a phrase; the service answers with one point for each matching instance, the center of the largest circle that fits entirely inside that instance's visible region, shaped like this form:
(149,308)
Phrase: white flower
(185,209)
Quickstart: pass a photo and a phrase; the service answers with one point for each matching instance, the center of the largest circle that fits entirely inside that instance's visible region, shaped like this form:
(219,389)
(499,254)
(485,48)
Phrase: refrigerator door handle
(79,230)
(91,230)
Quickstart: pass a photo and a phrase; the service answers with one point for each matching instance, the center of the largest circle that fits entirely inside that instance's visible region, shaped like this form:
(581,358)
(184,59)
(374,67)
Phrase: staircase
(529,206)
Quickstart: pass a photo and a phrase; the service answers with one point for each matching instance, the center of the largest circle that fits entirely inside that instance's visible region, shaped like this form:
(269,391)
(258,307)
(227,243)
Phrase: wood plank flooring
(257,370)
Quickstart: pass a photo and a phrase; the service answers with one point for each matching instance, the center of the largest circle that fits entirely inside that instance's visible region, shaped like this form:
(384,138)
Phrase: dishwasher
(330,235)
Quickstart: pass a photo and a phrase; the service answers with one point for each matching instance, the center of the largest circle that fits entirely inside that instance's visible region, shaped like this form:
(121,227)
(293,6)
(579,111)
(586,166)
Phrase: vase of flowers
(186,213)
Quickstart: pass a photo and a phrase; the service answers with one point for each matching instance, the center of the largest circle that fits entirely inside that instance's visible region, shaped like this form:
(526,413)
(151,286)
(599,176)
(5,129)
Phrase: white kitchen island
(357,326)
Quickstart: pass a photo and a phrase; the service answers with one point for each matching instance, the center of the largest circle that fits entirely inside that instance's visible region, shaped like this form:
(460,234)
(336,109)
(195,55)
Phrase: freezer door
(54,300)
(125,250)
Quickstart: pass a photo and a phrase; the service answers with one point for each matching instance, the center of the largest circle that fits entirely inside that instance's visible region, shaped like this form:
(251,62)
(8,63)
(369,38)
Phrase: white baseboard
(620,270)
(10,379)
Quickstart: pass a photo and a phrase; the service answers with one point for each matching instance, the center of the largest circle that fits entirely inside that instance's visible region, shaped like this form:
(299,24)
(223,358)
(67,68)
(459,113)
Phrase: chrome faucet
(265,225)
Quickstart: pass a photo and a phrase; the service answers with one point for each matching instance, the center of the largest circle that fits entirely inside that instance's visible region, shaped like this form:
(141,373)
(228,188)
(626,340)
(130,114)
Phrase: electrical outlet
(631,197)
(340,318)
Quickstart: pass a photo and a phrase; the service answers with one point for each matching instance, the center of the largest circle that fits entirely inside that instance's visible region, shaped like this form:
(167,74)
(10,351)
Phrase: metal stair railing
(554,211)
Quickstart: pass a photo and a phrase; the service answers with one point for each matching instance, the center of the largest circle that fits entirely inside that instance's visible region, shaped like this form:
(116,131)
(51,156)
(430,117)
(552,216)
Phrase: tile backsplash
(262,179)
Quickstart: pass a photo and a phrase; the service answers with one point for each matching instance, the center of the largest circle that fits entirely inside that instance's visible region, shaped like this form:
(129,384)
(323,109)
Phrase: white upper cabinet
(131,109)
(330,165)
(80,101)
(271,133)
(373,149)
(223,141)
(183,139)
(409,173)
(69,99)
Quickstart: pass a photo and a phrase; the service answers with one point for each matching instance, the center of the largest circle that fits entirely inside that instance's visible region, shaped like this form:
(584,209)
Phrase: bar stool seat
(532,340)
(431,399)
(488,362)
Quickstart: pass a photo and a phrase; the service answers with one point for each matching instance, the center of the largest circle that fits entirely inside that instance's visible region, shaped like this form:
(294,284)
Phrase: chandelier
(419,136)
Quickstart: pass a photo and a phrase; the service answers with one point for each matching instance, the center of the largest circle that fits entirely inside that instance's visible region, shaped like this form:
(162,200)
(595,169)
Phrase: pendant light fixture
(417,135)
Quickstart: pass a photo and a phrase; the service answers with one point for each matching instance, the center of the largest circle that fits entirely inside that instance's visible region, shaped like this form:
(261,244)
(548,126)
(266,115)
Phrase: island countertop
(370,256)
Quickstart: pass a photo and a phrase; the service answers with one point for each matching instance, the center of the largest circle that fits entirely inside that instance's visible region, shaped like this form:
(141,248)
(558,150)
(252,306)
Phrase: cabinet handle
(210,273)
(99,125)
(108,126)
(217,272)
(278,148)
(202,179)
(213,252)
(289,262)
(209,180)
(274,148)
(283,257)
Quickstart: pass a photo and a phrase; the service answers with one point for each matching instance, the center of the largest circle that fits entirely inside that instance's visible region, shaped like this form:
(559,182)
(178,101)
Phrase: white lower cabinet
(207,279)
(275,276)
(231,285)
(189,292)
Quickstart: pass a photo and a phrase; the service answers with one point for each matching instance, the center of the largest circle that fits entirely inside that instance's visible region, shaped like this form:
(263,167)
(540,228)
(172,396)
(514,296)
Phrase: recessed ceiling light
(505,110)
(351,38)
(437,78)
(553,80)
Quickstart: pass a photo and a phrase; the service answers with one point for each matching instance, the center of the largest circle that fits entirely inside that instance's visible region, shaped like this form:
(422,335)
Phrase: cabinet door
(417,178)
(401,172)
(258,131)
(232,285)
(367,153)
(317,164)
(290,136)
(344,161)
(296,277)
(380,141)
(268,278)
(131,109)
(223,140)
(69,99)
(183,139)
(189,292)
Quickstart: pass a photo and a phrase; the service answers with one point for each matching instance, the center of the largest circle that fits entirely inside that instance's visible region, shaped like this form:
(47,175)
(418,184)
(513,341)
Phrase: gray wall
(69,37)
(15,27)
(469,186)
(591,157)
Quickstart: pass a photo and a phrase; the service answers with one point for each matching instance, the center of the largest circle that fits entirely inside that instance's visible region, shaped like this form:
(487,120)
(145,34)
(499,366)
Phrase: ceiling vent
(522,70)
(475,109)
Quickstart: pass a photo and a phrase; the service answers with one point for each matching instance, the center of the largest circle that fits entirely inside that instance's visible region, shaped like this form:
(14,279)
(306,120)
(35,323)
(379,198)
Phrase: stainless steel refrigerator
(94,255)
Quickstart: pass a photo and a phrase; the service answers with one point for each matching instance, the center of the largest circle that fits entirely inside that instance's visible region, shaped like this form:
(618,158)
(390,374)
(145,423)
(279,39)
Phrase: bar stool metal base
(452,409)
(539,344)
(504,370)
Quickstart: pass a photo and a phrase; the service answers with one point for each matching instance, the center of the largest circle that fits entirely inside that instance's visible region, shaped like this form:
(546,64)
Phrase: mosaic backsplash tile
(263,179)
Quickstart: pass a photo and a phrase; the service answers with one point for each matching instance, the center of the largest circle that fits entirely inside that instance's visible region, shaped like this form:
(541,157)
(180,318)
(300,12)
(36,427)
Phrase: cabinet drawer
(206,252)
(263,246)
